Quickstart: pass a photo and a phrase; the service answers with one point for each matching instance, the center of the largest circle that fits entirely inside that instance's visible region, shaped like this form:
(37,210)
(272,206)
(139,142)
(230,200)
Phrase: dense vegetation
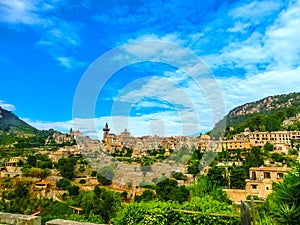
(202,202)
(98,206)
(283,204)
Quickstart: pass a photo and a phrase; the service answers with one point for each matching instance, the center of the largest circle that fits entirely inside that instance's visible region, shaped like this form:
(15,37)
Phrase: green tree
(147,196)
(278,157)
(237,177)
(164,189)
(66,167)
(21,191)
(254,157)
(63,183)
(73,190)
(283,204)
(163,213)
(31,161)
(81,168)
(168,190)
(193,167)
(20,163)
(217,176)
(45,164)
(268,146)
(82,181)
(101,202)
(179,176)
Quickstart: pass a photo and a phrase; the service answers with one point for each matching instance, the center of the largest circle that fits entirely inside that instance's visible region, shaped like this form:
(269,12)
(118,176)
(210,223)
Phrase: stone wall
(67,222)
(17,219)
(236,195)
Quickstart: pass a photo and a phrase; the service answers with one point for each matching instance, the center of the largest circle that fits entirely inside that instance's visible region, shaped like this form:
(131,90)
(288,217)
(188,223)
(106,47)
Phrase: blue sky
(250,48)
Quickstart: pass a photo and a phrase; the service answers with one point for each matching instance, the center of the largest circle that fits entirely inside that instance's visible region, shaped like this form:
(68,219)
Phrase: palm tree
(284,202)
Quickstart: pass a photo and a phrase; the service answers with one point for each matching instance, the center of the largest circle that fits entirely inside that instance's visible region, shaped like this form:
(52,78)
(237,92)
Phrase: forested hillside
(9,122)
(267,114)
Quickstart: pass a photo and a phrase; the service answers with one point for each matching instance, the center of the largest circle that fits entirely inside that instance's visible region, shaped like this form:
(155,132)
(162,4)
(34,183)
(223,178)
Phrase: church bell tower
(105,132)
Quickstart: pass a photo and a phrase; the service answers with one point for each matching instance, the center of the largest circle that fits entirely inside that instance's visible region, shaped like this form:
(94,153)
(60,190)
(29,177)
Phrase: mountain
(266,114)
(9,122)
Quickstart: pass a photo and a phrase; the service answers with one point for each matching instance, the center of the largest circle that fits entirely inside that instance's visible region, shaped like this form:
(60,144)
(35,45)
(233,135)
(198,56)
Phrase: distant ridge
(9,122)
(266,105)
(266,114)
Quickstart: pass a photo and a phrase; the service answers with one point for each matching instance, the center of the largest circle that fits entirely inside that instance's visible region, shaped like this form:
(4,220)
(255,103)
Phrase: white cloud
(156,48)
(7,106)
(278,47)
(255,10)
(281,39)
(70,63)
(63,126)
(19,11)
(60,33)
(239,27)
(238,91)
(178,96)
(56,35)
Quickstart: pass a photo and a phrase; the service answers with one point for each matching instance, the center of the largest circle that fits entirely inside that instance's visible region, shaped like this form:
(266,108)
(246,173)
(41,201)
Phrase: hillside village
(98,154)
(61,167)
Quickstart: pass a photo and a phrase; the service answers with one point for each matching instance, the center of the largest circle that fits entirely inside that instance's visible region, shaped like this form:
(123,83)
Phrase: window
(267,188)
(254,186)
(253,175)
(279,175)
(267,175)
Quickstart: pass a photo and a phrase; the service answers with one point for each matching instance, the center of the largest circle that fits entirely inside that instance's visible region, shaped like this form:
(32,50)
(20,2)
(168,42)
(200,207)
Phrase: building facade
(261,180)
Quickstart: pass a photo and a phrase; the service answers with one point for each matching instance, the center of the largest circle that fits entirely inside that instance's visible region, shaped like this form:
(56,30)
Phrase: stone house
(260,183)
(261,180)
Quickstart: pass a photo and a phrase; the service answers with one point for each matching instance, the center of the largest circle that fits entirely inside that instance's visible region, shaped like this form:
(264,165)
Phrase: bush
(268,146)
(73,190)
(179,176)
(168,190)
(35,172)
(277,157)
(82,181)
(94,174)
(146,196)
(124,195)
(66,167)
(293,151)
(21,191)
(172,213)
(63,183)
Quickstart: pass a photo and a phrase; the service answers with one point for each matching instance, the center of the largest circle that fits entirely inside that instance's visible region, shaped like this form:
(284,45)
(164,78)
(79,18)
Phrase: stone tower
(105,132)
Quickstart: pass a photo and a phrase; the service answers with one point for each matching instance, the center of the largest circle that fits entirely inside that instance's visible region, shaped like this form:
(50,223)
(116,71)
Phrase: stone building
(260,183)
(236,144)
(274,137)
(13,161)
(261,180)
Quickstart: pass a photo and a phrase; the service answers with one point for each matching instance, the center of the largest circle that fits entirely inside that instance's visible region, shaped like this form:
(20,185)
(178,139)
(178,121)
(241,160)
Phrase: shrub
(63,183)
(82,181)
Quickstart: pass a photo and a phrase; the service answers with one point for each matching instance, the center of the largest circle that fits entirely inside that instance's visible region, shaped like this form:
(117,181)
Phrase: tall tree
(66,167)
